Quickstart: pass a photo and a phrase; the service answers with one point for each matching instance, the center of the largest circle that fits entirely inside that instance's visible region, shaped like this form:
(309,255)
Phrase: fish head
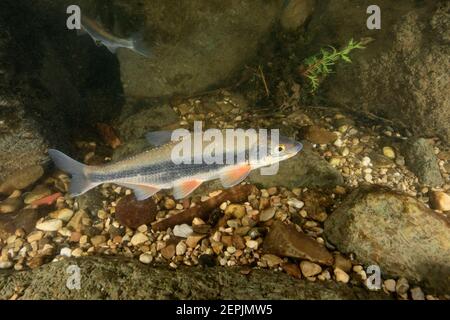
(282,149)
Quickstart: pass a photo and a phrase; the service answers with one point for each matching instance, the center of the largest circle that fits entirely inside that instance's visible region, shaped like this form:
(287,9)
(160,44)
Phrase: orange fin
(235,175)
(185,188)
(141,191)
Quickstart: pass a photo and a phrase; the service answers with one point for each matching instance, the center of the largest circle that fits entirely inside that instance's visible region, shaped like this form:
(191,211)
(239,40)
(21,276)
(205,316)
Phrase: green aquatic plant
(316,68)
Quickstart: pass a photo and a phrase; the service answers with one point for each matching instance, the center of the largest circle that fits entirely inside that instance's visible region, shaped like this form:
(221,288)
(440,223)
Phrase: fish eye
(280,148)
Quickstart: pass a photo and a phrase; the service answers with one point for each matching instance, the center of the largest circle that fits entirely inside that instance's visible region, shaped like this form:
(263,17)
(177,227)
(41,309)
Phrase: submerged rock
(420,158)
(402,75)
(194,44)
(395,232)
(132,213)
(24,219)
(285,241)
(115,278)
(306,169)
(21,179)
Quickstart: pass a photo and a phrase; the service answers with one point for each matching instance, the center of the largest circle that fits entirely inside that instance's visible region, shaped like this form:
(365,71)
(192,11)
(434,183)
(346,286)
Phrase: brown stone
(133,213)
(285,241)
(168,252)
(319,135)
(292,269)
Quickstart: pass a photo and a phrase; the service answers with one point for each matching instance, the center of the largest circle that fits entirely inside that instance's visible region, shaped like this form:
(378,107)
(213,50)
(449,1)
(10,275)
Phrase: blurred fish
(153,170)
(110,41)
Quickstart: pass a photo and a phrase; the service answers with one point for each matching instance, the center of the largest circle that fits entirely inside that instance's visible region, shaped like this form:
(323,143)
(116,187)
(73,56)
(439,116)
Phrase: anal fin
(141,191)
(235,175)
(183,189)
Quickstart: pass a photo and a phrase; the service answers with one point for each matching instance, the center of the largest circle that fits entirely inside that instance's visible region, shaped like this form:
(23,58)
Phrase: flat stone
(285,241)
(50,225)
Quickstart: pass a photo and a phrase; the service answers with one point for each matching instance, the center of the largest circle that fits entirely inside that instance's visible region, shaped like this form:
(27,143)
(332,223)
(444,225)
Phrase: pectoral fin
(235,175)
(141,191)
(185,188)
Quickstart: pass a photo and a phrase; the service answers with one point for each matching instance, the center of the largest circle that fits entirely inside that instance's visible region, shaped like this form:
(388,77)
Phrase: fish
(155,169)
(110,41)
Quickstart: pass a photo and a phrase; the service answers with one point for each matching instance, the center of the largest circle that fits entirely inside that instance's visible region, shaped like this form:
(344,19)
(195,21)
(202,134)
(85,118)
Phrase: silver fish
(154,169)
(110,41)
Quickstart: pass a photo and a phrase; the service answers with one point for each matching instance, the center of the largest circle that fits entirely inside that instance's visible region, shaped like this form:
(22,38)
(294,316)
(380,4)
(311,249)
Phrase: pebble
(390,285)
(440,201)
(342,263)
(169,204)
(194,239)
(366,161)
(168,252)
(417,294)
(38,192)
(310,269)
(272,260)
(182,231)
(402,286)
(180,248)
(66,252)
(62,214)
(389,152)
(35,236)
(295,203)
(252,244)
(345,152)
(341,275)
(146,258)
(267,214)
(292,269)
(98,240)
(138,239)
(50,225)
(6,264)
(236,210)
(77,252)
(10,205)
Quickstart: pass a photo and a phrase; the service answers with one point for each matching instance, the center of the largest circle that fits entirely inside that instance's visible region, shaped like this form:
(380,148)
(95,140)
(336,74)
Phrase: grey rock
(195,44)
(396,232)
(420,158)
(402,75)
(115,278)
(306,169)
(137,124)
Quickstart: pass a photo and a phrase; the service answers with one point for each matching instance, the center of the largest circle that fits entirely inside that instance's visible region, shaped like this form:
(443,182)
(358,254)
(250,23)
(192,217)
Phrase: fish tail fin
(139,45)
(80,182)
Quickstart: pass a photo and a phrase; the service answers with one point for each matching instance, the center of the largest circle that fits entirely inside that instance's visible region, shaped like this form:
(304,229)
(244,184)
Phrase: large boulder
(395,232)
(402,75)
(195,44)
